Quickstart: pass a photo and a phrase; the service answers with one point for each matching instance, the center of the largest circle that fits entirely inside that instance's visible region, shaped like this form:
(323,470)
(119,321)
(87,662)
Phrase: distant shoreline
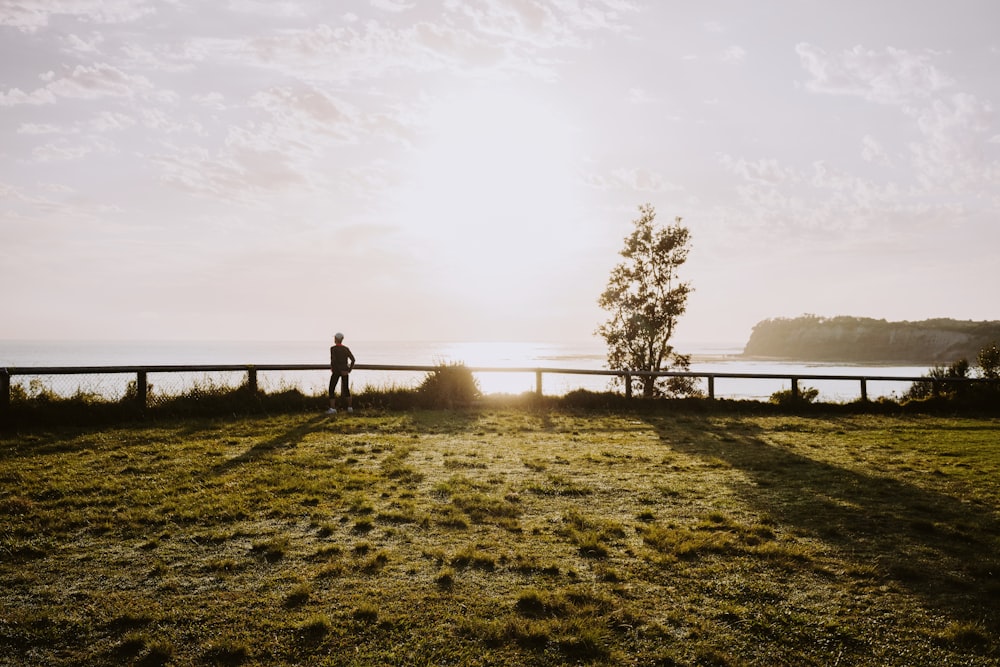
(868,341)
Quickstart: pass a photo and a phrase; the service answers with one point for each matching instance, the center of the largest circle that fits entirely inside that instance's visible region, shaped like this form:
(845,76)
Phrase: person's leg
(333,393)
(345,392)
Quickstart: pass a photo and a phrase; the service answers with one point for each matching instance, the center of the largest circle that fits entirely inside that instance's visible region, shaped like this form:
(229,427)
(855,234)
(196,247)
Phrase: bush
(449,386)
(939,376)
(785,397)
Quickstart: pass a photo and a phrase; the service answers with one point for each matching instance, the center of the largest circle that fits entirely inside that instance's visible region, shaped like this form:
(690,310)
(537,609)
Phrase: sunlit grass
(504,537)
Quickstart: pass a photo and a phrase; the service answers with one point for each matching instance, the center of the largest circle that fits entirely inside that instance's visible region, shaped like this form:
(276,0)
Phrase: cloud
(31,15)
(890,76)
(733,55)
(545,24)
(59,152)
(493,37)
(86,82)
(307,111)
(949,154)
(16,97)
(284,9)
(39,128)
(391,5)
(639,96)
(347,53)
(71,146)
(821,202)
(632,179)
(215,101)
(109,121)
(873,151)
(758,171)
(243,171)
(85,47)
(952,128)
(38,215)
(94,81)
(161,58)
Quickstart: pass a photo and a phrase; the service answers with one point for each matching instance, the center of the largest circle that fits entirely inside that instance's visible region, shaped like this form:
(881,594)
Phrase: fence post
(795,388)
(711,387)
(628,386)
(252,379)
(864,390)
(538,383)
(4,391)
(141,388)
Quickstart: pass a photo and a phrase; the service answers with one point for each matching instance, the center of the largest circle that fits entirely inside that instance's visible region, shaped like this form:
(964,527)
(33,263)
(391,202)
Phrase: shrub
(785,396)
(449,386)
(939,376)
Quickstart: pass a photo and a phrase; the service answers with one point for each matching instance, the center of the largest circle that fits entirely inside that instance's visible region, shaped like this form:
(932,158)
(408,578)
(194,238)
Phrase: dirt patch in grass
(504,537)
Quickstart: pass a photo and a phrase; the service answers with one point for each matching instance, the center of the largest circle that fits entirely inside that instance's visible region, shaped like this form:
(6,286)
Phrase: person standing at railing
(341,364)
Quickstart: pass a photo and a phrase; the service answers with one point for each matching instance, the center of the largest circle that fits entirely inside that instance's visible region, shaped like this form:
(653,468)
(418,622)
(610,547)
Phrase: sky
(468,170)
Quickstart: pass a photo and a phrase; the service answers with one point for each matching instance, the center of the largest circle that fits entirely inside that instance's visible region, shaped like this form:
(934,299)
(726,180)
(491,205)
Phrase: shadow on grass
(444,421)
(939,547)
(288,439)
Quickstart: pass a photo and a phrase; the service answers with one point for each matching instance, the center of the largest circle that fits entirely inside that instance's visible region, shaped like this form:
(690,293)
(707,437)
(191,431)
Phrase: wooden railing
(141,374)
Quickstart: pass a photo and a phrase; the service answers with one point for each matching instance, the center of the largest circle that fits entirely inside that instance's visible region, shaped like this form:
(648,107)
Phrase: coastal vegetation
(866,340)
(504,536)
(951,379)
(946,389)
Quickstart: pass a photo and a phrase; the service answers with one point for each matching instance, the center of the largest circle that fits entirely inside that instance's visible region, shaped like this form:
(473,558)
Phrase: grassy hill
(866,340)
(504,537)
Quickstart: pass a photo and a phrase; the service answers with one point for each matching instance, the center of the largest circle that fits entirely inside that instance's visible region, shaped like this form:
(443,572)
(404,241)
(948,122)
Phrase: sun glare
(493,182)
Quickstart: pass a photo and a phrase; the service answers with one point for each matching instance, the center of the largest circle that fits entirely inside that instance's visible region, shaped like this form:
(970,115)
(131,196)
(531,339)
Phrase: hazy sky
(463,170)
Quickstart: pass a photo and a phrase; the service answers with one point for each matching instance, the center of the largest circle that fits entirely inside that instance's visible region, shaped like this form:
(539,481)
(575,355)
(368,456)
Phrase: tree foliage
(937,381)
(989,361)
(645,297)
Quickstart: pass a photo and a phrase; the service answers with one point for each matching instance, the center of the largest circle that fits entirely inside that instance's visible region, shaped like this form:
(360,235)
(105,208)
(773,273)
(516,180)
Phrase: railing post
(252,379)
(4,391)
(711,387)
(795,388)
(538,382)
(864,390)
(141,389)
(628,386)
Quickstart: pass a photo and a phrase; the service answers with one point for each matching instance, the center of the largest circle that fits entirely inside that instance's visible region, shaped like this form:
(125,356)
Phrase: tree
(989,361)
(645,298)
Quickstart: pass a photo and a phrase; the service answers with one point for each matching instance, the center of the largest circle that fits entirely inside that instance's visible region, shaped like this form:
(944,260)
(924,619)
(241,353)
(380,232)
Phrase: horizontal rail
(182,368)
(141,373)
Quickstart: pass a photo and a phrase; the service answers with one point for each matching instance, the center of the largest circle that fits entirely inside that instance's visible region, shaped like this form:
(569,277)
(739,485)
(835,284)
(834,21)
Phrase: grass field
(504,537)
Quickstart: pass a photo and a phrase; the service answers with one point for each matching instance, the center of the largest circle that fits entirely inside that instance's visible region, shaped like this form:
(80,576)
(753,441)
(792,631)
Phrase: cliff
(863,340)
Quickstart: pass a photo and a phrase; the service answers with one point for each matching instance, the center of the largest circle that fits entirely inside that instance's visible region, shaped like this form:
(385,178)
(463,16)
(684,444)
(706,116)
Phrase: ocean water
(586,355)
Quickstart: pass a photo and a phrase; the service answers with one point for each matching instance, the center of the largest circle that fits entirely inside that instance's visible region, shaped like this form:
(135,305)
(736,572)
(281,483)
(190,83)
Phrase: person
(341,364)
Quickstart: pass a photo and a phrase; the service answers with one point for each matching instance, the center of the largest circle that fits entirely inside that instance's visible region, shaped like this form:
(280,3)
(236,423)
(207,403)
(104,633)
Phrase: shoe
(331,411)
(350,410)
